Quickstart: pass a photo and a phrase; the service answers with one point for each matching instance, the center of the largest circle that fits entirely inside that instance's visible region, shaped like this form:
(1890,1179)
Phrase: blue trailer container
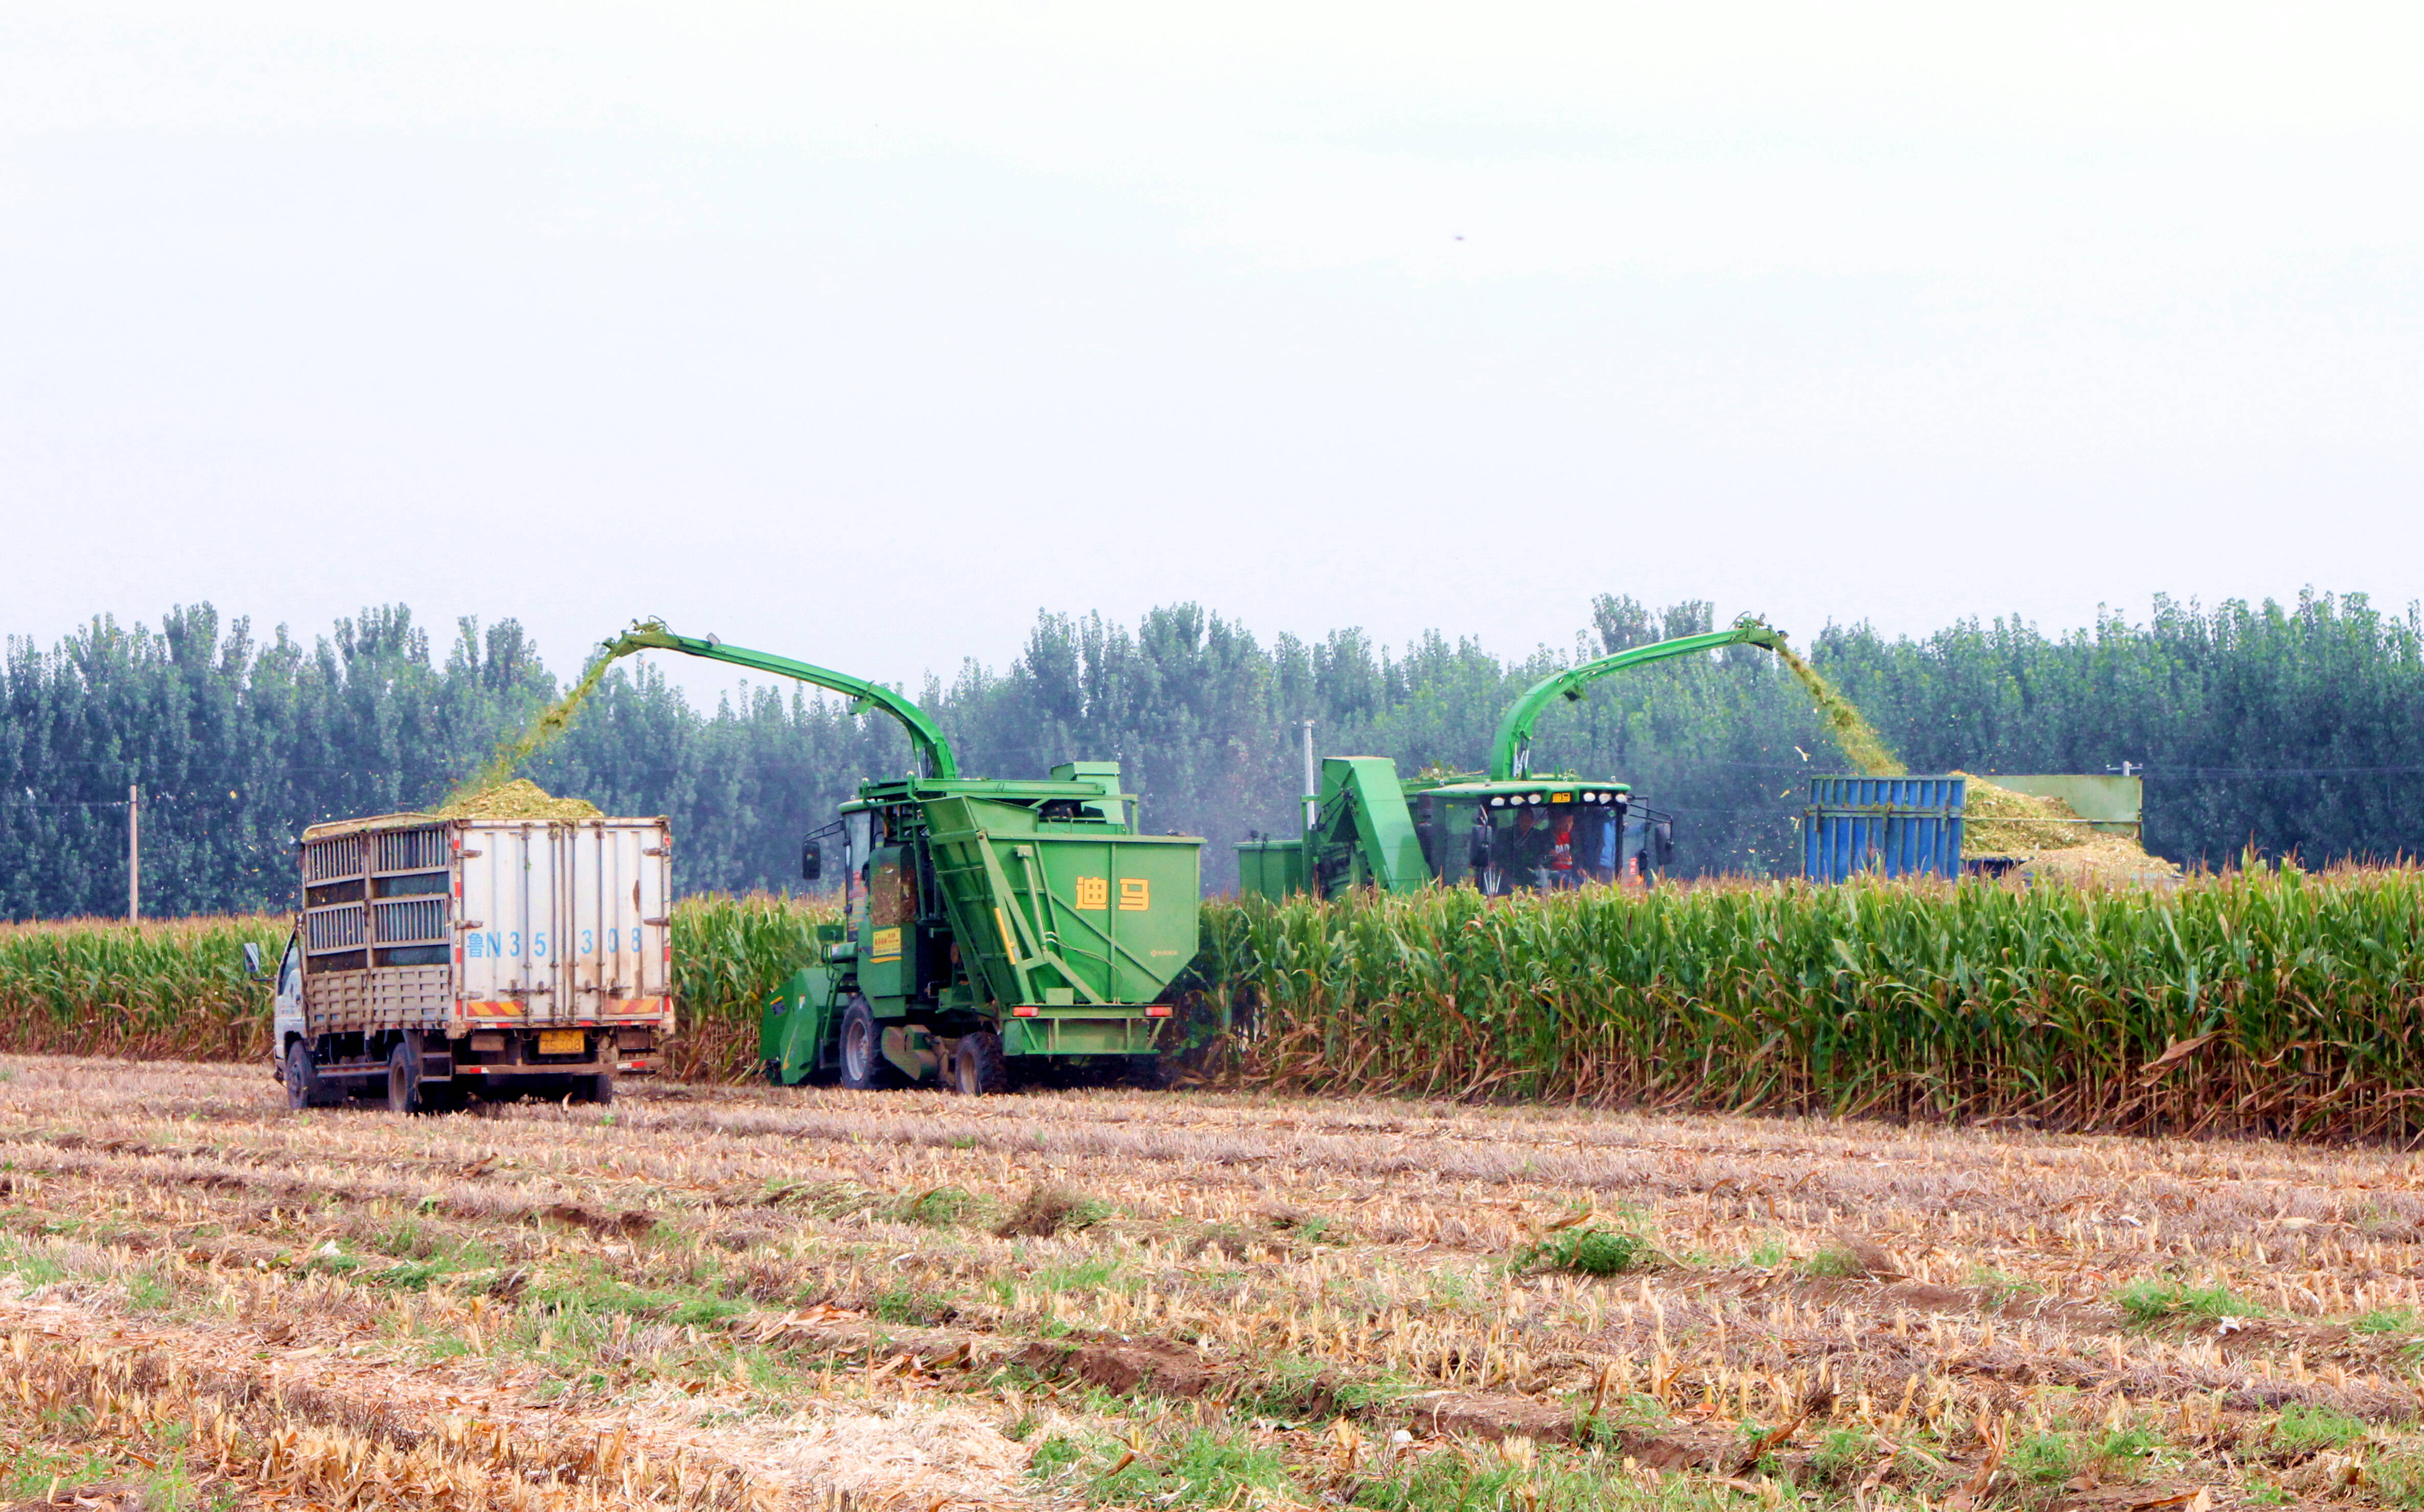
(1884,826)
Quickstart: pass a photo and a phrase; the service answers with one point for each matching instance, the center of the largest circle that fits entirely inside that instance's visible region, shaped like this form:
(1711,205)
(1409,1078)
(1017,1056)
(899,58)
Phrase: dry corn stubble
(1306,1277)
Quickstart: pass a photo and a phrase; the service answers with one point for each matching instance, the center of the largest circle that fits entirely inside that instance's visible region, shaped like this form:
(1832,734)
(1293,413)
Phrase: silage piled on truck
(518,799)
(2049,840)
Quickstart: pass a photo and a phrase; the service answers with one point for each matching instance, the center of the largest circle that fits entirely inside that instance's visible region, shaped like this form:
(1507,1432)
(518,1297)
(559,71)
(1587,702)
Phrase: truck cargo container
(436,960)
(1883,827)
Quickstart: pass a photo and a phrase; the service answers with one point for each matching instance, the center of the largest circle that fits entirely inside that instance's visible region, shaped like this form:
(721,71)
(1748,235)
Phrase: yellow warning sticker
(1136,895)
(886,946)
(1093,892)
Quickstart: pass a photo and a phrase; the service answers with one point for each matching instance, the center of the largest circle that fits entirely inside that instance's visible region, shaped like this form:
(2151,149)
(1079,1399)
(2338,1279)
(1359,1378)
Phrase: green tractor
(993,931)
(1506,829)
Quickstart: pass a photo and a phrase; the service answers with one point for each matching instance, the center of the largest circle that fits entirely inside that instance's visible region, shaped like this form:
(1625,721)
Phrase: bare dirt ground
(754,1298)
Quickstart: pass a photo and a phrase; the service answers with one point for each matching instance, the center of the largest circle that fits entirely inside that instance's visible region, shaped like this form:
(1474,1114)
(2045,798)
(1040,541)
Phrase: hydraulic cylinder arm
(651,634)
(1510,753)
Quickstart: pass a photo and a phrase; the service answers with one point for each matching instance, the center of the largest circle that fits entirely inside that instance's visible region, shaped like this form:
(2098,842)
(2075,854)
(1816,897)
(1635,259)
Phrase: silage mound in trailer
(2049,840)
(518,799)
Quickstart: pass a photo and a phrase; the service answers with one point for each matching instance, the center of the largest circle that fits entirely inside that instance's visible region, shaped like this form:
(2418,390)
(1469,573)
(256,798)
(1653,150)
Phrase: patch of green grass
(705,1312)
(148,1291)
(30,1474)
(405,1241)
(566,1301)
(1840,1456)
(37,1266)
(1589,1250)
(1456,1480)
(1204,1468)
(438,1262)
(908,1303)
(945,1207)
(1834,1263)
(1769,1253)
(2117,1453)
(2303,1428)
(2150,1301)
(2397,1480)
(1091,1275)
(2045,1458)
(1053,1455)
(2386,1320)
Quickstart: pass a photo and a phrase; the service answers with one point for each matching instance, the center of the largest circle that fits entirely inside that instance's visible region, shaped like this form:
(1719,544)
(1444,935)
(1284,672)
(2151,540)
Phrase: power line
(2281,772)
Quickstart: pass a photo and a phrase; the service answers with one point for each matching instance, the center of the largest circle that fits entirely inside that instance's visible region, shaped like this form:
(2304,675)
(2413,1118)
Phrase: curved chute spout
(1510,753)
(932,747)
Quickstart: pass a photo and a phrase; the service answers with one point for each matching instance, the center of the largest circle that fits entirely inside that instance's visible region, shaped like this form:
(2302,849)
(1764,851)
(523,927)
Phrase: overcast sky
(861,334)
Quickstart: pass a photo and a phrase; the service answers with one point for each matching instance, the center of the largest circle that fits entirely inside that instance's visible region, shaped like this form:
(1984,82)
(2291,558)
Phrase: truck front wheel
(302,1081)
(863,1066)
(979,1068)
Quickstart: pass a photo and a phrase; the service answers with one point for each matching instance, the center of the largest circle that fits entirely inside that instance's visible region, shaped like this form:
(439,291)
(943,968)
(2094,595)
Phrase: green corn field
(2255,1001)
(175,988)
(2079,1007)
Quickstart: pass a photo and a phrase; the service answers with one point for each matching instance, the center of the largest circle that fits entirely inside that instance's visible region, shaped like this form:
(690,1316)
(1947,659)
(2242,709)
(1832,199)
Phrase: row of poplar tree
(2296,729)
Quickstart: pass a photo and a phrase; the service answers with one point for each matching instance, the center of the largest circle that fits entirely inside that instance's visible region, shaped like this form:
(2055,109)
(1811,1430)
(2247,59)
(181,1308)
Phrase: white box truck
(438,959)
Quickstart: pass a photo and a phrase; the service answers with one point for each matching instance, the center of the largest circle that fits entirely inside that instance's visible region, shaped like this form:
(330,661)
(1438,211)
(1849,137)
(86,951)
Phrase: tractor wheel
(863,1066)
(302,1080)
(980,1068)
(403,1078)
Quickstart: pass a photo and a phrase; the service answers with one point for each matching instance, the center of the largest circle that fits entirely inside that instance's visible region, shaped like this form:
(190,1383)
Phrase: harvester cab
(990,928)
(1502,830)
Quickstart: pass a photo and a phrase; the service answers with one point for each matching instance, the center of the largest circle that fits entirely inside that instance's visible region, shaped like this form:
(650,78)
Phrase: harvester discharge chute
(1499,830)
(991,926)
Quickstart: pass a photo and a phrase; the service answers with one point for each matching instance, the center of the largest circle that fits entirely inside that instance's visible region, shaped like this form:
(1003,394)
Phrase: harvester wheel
(863,1066)
(302,1081)
(404,1078)
(980,1068)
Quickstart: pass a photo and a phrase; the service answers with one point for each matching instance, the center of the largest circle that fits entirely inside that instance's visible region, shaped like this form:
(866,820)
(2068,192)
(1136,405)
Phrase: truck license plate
(562,1041)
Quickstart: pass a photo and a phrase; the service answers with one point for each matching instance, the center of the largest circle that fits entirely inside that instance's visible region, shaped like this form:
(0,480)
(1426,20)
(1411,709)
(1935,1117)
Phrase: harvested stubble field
(746,1298)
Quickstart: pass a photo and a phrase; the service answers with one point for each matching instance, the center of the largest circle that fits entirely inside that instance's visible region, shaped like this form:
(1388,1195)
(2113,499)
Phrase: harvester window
(892,891)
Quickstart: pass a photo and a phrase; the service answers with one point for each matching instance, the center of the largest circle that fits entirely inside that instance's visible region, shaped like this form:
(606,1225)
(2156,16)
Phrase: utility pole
(133,854)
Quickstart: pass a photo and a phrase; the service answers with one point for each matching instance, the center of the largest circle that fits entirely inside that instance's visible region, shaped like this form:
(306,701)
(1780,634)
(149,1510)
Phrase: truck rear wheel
(593,1088)
(863,1066)
(979,1068)
(403,1078)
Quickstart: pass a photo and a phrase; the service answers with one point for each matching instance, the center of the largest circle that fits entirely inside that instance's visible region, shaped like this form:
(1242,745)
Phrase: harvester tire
(863,1066)
(980,1068)
(302,1080)
(404,1078)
